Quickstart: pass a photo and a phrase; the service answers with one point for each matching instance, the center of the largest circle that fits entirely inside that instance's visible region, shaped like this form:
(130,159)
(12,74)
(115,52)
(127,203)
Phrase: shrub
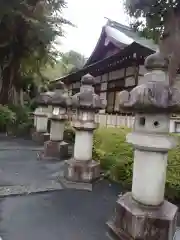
(23,122)
(69,134)
(114,153)
(22,113)
(116,158)
(7,117)
(173,173)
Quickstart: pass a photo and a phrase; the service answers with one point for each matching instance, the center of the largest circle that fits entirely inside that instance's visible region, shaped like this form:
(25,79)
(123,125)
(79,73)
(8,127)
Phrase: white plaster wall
(130,71)
(142,70)
(103,97)
(116,74)
(98,79)
(130,81)
(105,77)
(104,86)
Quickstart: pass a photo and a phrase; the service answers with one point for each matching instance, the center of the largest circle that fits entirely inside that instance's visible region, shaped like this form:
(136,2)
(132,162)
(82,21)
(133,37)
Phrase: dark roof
(107,62)
(120,36)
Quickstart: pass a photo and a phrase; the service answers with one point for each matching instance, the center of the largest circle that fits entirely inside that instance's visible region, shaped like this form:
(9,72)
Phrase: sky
(89,17)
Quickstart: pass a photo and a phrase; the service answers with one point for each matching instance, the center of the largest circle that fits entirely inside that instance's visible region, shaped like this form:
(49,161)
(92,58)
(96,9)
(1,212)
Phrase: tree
(72,61)
(162,23)
(69,62)
(149,16)
(28,27)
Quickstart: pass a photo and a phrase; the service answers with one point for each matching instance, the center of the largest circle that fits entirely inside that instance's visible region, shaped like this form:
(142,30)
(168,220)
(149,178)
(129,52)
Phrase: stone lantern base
(57,150)
(82,171)
(40,137)
(139,222)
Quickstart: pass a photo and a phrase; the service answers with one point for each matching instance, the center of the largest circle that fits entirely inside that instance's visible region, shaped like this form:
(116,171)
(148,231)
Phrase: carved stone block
(82,171)
(133,221)
(40,137)
(58,150)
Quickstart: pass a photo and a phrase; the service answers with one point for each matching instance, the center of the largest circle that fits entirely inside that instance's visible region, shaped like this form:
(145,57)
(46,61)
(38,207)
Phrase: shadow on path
(62,215)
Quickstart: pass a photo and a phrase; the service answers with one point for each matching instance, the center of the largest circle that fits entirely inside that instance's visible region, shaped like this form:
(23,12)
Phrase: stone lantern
(81,168)
(143,213)
(41,115)
(56,148)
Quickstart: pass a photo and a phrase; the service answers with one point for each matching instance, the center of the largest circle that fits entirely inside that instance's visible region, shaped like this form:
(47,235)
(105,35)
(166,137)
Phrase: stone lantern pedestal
(41,114)
(143,213)
(56,148)
(82,168)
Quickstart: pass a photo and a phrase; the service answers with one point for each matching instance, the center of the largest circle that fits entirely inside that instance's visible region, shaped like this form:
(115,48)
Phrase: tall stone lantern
(41,115)
(56,148)
(143,213)
(81,168)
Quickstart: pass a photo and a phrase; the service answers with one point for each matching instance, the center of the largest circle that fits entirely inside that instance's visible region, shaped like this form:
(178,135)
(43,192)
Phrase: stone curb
(18,190)
(21,148)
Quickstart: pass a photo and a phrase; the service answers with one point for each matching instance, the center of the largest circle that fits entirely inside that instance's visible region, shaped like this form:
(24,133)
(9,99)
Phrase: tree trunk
(9,79)
(5,89)
(22,97)
(18,97)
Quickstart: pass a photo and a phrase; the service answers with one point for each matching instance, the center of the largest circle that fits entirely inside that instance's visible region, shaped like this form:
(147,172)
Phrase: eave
(111,63)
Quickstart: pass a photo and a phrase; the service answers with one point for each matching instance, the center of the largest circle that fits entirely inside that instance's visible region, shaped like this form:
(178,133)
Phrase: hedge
(116,158)
(15,120)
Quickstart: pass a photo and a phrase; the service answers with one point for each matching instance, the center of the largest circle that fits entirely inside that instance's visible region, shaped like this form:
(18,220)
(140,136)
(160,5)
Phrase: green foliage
(149,15)
(69,134)
(116,158)
(7,117)
(28,30)
(72,60)
(173,173)
(15,120)
(69,62)
(22,114)
(114,153)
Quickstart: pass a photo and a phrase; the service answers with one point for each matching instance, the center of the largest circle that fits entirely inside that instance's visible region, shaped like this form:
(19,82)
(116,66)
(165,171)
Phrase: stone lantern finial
(44,98)
(156,61)
(60,97)
(87,99)
(59,85)
(87,80)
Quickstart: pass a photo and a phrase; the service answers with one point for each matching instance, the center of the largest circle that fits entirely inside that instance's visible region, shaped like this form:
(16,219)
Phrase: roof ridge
(113,23)
(129,32)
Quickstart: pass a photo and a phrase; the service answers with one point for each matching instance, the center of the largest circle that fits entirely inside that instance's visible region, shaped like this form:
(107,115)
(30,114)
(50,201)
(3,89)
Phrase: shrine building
(117,63)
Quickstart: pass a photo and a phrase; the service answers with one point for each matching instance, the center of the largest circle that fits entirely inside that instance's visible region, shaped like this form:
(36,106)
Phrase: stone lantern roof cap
(61,97)
(87,99)
(44,99)
(59,85)
(156,61)
(151,97)
(87,80)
